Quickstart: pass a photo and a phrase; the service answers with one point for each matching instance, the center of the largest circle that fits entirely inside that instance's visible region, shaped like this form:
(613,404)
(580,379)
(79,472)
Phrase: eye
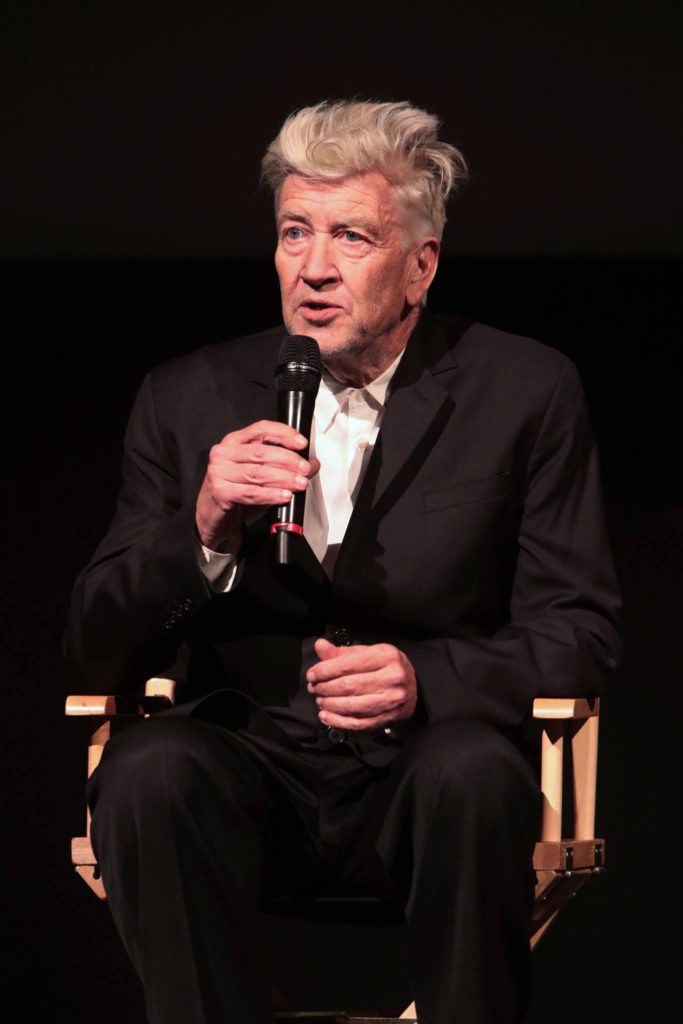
(353,236)
(293,234)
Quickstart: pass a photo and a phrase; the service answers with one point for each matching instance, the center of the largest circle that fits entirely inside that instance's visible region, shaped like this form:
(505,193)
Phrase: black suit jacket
(477,543)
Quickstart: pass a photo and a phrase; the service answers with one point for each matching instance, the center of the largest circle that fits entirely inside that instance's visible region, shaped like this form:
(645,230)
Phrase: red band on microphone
(286,528)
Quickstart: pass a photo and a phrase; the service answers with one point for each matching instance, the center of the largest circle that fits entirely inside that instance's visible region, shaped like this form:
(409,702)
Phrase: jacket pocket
(468,491)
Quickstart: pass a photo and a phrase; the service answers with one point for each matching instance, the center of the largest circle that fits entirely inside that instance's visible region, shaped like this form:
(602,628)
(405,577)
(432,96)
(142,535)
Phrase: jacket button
(342,638)
(336,735)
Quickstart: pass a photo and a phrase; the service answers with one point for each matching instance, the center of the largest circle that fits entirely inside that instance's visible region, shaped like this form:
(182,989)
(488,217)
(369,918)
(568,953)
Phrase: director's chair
(562,866)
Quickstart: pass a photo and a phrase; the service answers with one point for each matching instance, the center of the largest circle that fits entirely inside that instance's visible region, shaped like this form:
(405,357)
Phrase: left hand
(362,687)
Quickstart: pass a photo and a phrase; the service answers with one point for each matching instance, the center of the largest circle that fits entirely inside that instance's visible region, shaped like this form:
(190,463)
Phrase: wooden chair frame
(562,865)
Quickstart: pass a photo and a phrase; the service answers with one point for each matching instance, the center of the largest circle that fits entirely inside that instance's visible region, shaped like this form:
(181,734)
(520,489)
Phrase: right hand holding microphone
(259,465)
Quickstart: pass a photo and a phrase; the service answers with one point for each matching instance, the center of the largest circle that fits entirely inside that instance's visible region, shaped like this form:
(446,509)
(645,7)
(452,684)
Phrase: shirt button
(363,443)
(336,735)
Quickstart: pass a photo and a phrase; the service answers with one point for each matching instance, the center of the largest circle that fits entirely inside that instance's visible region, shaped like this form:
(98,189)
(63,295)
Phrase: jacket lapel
(419,406)
(257,399)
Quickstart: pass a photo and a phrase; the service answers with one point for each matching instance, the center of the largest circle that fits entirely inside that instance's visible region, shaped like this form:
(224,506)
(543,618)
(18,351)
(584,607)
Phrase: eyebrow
(289,215)
(368,226)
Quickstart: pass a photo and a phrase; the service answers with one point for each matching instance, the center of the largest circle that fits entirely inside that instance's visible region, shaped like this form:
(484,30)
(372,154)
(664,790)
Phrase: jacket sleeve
(144,582)
(562,637)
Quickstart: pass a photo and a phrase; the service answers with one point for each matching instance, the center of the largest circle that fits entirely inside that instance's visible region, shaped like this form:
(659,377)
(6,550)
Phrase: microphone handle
(295,408)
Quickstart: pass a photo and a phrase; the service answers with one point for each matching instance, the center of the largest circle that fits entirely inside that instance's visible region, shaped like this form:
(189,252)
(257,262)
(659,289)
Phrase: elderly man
(360,730)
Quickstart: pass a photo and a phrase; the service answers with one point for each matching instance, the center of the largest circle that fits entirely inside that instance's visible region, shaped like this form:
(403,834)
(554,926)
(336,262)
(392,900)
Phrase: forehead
(366,195)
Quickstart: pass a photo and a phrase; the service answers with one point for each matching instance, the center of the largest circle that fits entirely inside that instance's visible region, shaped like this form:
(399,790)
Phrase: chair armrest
(159,687)
(114,704)
(159,694)
(566,707)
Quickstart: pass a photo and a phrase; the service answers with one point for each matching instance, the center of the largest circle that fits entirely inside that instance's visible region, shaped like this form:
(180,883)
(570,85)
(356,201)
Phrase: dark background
(134,229)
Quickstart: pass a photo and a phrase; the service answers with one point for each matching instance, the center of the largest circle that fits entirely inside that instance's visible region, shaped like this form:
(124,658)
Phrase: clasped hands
(362,687)
(357,688)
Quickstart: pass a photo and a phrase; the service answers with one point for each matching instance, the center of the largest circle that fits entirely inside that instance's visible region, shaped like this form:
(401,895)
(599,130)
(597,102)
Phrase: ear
(425,262)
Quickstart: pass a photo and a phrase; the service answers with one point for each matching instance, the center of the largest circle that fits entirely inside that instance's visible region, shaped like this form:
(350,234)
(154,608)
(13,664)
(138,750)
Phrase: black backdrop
(135,231)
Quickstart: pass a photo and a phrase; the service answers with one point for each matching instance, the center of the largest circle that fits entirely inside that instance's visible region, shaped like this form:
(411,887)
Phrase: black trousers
(194,824)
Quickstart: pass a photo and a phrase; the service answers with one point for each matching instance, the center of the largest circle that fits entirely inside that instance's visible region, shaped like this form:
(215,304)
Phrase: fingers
(268,444)
(269,432)
(256,474)
(366,705)
(353,683)
(264,454)
(339,662)
(350,724)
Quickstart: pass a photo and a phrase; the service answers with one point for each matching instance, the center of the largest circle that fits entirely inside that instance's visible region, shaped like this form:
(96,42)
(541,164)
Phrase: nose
(319,266)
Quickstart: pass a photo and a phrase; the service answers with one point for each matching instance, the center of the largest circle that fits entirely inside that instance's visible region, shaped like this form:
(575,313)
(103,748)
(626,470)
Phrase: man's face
(347,270)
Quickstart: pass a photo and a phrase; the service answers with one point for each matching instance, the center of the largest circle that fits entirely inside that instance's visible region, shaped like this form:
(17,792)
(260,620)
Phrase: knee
(150,760)
(471,764)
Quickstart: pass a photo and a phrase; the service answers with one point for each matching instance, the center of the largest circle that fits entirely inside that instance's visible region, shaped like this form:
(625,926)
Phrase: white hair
(331,141)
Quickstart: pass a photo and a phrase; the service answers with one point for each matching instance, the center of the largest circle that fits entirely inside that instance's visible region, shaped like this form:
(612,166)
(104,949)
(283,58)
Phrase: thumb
(325,650)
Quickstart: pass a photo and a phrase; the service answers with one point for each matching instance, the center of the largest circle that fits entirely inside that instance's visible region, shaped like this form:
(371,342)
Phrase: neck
(360,367)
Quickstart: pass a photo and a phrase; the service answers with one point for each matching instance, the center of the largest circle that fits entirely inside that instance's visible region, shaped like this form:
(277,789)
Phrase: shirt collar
(332,394)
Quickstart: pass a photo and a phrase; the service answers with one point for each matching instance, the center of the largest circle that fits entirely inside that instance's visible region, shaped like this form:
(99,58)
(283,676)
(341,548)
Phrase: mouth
(316,311)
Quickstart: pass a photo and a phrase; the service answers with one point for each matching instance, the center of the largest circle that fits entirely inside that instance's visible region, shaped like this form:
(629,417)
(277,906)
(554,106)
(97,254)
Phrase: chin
(333,347)
(333,340)
(327,339)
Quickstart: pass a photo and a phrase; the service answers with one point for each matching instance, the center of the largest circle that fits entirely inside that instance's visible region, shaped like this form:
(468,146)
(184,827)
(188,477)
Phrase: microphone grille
(298,365)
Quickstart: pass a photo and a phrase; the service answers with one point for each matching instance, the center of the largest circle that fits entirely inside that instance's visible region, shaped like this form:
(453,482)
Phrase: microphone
(297,379)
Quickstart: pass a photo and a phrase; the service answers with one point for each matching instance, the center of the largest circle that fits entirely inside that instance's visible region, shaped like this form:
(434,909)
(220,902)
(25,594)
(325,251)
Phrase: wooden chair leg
(585,771)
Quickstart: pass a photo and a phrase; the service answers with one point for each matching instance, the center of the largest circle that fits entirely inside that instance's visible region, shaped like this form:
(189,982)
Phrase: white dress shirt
(346,422)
